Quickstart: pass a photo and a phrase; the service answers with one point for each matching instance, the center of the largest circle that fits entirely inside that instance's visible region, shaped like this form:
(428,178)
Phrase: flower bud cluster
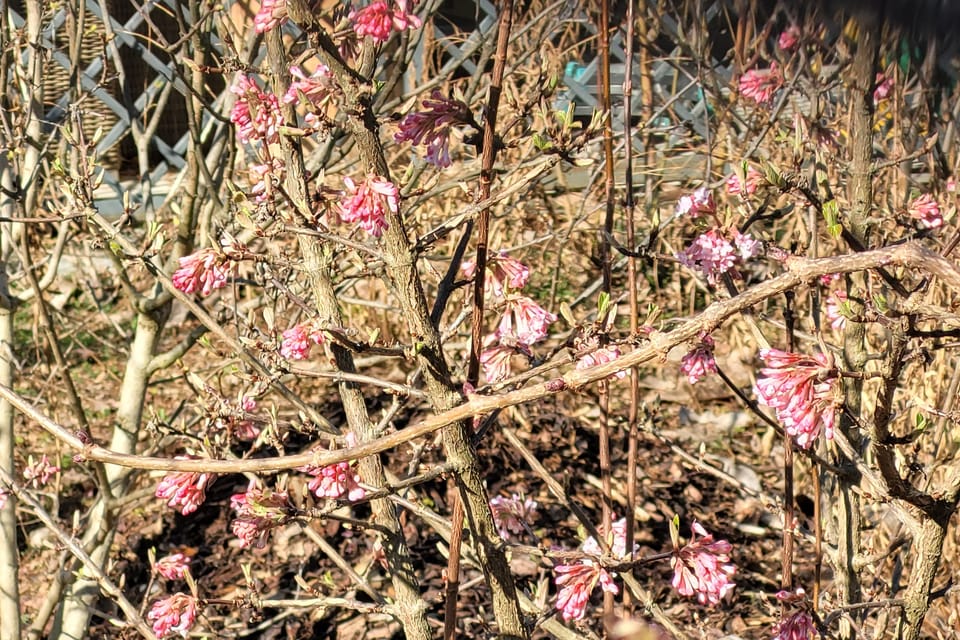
(378,19)
(702,567)
(336,481)
(760,85)
(804,392)
(259,511)
(432,126)
(699,361)
(510,514)
(173,615)
(184,490)
(523,322)
(576,581)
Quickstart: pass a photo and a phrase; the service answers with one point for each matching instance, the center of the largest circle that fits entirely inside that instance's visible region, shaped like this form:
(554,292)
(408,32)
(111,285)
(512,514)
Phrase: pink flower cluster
(264,176)
(202,270)
(272,13)
(883,88)
(759,85)
(378,20)
(699,361)
(367,203)
(173,615)
(713,255)
(746,187)
(259,511)
(336,480)
(803,390)
(431,127)
(233,418)
(256,113)
(699,203)
(173,566)
(316,90)
(523,323)
(616,540)
(503,273)
(524,320)
(576,581)
(184,490)
(296,341)
(701,567)
(511,513)
(4,495)
(798,625)
(495,358)
(39,472)
(599,355)
(789,38)
(926,210)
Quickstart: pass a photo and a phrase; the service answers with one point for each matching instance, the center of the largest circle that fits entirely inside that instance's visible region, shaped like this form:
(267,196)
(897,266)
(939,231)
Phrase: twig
(488,157)
(798,272)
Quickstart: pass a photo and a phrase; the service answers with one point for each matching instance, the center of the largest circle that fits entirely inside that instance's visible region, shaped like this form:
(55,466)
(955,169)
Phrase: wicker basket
(57,81)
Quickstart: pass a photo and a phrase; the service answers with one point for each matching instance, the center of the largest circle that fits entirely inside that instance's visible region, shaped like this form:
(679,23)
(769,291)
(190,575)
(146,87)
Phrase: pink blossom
(336,480)
(265,176)
(711,254)
(272,13)
(575,582)
(4,495)
(378,20)
(525,320)
(365,203)
(184,490)
(883,88)
(173,615)
(259,511)
(600,356)
(699,361)
(511,513)
(834,309)
(39,472)
(746,187)
(256,112)
(789,38)
(830,278)
(803,390)
(495,361)
(746,245)
(202,270)
(616,540)
(951,184)
(431,126)
(503,272)
(700,567)
(233,418)
(759,85)
(926,210)
(797,625)
(173,566)
(316,89)
(697,204)
(296,341)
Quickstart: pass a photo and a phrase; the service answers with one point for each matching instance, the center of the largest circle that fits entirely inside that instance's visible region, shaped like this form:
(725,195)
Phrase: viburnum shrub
(419,340)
